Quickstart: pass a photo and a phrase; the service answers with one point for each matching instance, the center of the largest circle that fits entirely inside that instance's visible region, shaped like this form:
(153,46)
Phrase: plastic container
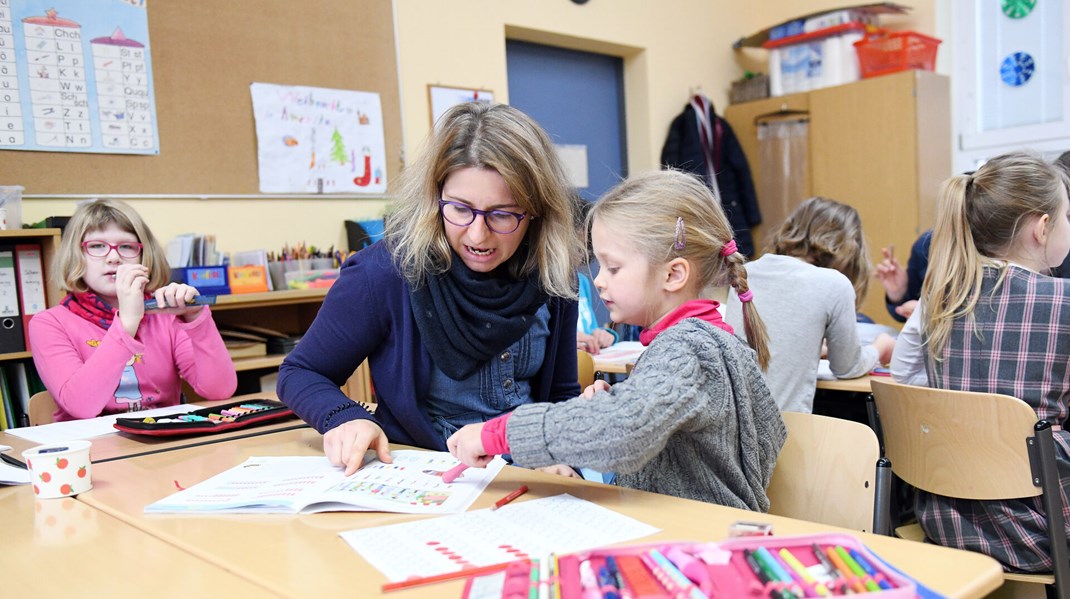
(11,206)
(813,60)
(886,52)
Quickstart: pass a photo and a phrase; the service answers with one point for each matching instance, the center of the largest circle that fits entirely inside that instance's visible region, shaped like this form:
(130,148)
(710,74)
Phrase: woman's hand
(172,299)
(560,470)
(892,277)
(345,444)
(130,281)
(598,385)
(467,445)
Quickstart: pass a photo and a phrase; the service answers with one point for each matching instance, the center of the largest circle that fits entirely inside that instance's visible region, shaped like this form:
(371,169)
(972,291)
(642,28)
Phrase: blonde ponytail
(753,325)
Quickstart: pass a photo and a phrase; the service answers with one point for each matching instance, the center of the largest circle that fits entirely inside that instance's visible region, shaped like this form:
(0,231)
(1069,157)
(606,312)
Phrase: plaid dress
(1022,350)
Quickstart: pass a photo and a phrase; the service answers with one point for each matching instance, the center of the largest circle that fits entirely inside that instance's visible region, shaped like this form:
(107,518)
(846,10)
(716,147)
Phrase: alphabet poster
(312,139)
(76,76)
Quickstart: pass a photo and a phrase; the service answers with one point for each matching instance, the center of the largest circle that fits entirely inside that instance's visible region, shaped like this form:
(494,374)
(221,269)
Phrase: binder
(11,335)
(31,277)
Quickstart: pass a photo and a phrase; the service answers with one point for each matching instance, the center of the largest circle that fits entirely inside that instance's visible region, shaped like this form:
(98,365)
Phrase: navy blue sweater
(368,314)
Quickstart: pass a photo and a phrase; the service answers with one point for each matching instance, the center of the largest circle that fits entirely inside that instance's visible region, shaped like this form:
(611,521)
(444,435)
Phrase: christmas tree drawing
(338,148)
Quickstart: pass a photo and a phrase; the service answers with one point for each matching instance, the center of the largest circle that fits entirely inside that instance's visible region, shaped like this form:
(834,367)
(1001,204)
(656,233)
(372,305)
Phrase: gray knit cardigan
(695,419)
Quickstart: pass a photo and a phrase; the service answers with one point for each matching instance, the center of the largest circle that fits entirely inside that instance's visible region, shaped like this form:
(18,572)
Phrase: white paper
(312,139)
(71,430)
(519,530)
(624,352)
(412,484)
(13,475)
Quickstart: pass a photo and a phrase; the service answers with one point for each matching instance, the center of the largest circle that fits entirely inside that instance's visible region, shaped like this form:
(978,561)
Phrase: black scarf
(468,317)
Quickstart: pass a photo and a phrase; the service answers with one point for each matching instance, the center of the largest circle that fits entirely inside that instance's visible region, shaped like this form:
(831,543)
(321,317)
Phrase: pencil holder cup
(59,470)
(322,263)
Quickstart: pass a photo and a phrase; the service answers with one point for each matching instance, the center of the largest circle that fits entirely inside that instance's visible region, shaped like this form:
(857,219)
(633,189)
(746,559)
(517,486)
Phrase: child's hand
(587,343)
(467,445)
(905,309)
(345,444)
(172,299)
(603,337)
(884,343)
(130,281)
(892,277)
(599,385)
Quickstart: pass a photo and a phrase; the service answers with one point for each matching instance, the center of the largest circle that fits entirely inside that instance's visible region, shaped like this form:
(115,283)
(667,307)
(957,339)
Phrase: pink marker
(450,475)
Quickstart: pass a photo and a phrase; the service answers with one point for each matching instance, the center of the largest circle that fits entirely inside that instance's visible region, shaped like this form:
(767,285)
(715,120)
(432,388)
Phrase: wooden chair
(41,408)
(830,471)
(585,363)
(982,446)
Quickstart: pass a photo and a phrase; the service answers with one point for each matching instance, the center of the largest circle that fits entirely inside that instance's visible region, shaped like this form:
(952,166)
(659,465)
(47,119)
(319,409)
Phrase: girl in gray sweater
(695,418)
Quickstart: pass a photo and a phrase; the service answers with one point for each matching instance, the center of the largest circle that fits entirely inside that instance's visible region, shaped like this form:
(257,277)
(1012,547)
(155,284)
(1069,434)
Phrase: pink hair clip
(746,296)
(729,248)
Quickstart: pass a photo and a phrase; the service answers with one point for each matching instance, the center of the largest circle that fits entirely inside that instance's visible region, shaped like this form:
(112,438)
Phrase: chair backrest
(585,363)
(41,408)
(826,472)
(957,443)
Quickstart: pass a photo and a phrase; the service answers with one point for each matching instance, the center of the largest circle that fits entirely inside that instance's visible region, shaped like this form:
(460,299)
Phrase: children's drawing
(319,140)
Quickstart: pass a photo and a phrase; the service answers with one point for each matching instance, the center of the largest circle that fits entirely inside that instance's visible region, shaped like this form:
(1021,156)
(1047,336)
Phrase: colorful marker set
(207,420)
(821,565)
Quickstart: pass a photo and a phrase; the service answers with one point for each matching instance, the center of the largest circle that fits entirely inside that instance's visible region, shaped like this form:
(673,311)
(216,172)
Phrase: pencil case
(208,420)
(731,569)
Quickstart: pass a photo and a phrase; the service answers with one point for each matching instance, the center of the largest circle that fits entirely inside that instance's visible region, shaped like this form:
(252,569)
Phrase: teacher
(465,310)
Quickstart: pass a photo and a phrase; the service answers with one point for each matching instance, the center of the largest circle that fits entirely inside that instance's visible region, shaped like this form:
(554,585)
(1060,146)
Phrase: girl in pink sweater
(99,352)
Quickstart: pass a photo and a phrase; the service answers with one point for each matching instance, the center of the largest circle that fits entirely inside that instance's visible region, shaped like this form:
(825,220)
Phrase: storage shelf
(271,361)
(288,297)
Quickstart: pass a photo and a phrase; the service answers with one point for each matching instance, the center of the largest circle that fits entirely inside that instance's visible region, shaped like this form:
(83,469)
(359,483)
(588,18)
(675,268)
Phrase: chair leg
(875,420)
(1053,508)
(882,498)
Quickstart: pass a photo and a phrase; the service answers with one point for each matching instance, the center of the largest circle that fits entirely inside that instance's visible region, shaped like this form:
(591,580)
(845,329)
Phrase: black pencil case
(216,419)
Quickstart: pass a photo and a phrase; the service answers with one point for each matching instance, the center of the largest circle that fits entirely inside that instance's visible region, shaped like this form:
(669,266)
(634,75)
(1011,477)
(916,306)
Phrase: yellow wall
(668,47)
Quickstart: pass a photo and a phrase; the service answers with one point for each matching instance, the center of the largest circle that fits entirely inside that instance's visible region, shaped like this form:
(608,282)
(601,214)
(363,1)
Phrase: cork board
(205,54)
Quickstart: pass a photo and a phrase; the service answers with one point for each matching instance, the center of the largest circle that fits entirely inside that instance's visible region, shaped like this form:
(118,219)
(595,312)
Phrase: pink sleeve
(82,389)
(202,358)
(493,435)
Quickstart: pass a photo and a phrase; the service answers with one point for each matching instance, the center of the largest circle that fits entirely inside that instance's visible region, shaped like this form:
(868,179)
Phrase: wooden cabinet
(49,240)
(882,145)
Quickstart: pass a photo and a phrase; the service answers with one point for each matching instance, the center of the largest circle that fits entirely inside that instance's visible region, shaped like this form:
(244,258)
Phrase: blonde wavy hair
(505,139)
(68,266)
(978,220)
(645,210)
(828,234)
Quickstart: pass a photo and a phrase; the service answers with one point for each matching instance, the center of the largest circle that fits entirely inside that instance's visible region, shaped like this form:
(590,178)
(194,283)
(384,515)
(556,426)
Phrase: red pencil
(415,582)
(504,500)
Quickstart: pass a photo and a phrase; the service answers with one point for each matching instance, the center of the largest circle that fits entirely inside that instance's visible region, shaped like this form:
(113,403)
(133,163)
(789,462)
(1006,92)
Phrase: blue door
(578,97)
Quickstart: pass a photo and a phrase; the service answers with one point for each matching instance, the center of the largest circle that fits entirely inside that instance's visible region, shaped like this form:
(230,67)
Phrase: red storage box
(886,52)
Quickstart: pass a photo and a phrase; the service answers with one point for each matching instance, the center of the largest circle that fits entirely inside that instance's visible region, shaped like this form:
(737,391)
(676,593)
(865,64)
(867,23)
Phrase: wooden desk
(65,548)
(610,367)
(121,445)
(858,385)
(302,556)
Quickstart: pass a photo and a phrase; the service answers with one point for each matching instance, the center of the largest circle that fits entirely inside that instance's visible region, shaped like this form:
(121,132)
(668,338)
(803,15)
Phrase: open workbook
(412,484)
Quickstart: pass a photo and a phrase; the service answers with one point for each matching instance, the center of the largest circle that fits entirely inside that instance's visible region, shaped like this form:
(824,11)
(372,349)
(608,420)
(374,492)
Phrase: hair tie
(681,240)
(729,248)
(746,296)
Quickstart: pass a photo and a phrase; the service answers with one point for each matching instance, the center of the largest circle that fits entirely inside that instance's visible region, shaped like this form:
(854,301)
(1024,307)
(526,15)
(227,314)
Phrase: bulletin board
(205,54)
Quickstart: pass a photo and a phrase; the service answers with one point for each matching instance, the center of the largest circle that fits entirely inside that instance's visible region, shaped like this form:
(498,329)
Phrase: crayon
(870,570)
(857,569)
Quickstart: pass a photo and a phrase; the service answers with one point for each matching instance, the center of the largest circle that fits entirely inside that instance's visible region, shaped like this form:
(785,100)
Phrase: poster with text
(76,76)
(316,140)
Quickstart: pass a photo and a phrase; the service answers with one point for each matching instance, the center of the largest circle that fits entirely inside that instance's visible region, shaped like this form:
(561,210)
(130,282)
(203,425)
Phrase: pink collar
(702,309)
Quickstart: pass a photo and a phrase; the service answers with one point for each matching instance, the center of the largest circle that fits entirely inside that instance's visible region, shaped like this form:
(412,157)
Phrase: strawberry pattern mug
(60,469)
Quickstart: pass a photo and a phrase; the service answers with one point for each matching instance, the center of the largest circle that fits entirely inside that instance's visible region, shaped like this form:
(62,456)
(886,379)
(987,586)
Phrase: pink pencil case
(722,569)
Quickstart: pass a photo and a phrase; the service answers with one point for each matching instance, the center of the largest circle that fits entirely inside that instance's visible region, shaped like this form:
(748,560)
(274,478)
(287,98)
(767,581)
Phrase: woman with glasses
(465,310)
(99,351)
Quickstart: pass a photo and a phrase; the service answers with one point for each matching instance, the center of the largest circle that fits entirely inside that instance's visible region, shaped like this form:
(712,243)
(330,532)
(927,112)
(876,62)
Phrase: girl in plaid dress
(992,321)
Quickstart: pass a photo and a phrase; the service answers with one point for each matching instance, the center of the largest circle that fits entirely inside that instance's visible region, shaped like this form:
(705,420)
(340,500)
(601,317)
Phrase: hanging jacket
(683,151)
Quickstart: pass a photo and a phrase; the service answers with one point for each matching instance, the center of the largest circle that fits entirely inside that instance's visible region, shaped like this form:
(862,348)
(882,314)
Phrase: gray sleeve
(623,428)
(848,359)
